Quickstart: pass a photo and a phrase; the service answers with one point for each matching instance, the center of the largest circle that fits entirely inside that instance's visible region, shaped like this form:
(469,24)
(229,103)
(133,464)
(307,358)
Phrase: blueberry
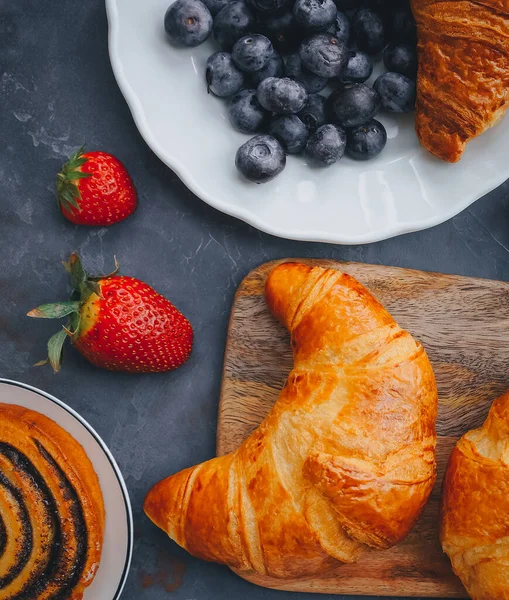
(385,8)
(402,27)
(359,67)
(274,68)
(283,31)
(188,22)
(252,52)
(295,70)
(396,92)
(369,32)
(401,58)
(341,28)
(246,113)
(352,104)
(315,15)
(313,114)
(282,96)
(260,159)
(215,5)
(323,55)
(366,141)
(291,132)
(270,6)
(234,21)
(222,75)
(326,145)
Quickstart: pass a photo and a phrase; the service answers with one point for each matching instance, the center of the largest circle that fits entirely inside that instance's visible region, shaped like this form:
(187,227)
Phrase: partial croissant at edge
(51,510)
(463,77)
(474,527)
(345,460)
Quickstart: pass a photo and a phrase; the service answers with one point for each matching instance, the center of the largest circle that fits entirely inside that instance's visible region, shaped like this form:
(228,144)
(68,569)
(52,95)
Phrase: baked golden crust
(463,79)
(344,461)
(51,510)
(475,507)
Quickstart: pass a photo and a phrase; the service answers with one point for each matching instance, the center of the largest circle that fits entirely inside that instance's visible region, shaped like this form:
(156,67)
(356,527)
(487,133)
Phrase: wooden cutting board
(464,325)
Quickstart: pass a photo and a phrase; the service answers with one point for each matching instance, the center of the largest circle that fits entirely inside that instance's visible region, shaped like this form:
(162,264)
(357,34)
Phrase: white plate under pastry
(404,189)
(118,535)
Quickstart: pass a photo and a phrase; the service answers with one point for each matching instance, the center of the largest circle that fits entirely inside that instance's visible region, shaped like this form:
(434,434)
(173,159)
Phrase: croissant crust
(345,460)
(463,78)
(475,504)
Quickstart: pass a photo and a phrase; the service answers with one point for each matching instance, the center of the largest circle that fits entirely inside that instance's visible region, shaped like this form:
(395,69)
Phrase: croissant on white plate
(344,461)
(463,78)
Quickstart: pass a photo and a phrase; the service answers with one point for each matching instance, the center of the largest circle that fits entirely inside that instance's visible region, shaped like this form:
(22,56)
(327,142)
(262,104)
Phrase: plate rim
(185,175)
(111,460)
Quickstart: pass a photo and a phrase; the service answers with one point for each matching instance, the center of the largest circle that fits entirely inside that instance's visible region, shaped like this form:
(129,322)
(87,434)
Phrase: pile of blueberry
(327,44)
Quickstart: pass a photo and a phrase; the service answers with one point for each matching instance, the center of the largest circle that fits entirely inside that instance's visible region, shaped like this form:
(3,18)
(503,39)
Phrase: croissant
(51,510)
(344,461)
(475,507)
(463,79)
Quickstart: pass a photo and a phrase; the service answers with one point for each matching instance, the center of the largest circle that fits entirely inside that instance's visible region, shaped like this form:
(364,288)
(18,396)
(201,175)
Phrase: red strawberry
(95,189)
(118,323)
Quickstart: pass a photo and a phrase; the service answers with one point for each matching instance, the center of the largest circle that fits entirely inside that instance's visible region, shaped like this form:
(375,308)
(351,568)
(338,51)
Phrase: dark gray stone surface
(57,91)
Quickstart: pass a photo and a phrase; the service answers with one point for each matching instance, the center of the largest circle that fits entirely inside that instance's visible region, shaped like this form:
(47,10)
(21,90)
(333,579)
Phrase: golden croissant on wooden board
(344,461)
(463,79)
(475,507)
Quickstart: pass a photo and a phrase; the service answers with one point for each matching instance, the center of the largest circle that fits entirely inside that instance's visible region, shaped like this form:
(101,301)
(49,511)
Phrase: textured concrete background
(58,91)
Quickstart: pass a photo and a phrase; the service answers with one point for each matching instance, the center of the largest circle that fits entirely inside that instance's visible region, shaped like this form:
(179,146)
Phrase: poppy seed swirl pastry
(345,460)
(51,510)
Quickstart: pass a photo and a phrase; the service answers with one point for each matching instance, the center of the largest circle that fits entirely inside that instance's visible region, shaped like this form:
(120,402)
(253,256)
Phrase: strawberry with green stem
(94,188)
(118,323)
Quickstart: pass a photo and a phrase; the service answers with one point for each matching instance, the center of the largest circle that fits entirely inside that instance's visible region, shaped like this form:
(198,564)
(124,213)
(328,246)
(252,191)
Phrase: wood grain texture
(464,325)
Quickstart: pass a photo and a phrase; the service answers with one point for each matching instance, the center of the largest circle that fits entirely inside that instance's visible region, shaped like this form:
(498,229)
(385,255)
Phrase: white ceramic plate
(404,189)
(118,535)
